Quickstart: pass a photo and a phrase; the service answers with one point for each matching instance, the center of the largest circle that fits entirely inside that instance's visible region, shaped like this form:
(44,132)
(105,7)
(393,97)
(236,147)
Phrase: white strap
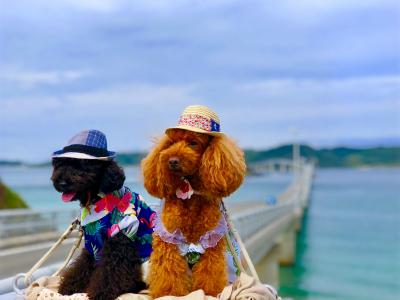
(64,236)
(71,253)
(246,255)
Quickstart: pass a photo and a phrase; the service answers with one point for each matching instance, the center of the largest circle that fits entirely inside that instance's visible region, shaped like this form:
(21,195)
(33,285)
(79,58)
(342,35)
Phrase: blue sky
(329,70)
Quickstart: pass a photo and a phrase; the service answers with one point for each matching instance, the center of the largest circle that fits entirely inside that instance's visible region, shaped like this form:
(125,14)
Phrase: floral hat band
(199,122)
(199,118)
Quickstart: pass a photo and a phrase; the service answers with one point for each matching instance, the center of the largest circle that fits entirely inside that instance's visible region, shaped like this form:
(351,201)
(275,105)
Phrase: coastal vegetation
(10,199)
(340,157)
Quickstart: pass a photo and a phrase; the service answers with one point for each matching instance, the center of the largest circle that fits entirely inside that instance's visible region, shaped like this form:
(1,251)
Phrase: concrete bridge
(268,230)
(274,165)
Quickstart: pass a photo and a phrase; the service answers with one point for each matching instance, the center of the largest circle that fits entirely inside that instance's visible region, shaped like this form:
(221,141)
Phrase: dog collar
(185,190)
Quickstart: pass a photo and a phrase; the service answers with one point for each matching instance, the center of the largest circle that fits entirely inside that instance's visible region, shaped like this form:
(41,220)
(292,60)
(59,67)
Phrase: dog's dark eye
(193,143)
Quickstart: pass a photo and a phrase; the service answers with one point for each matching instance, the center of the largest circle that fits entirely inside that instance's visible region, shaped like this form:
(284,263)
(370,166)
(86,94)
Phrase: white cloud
(94,5)
(32,78)
(325,109)
(123,101)
(132,114)
(132,94)
(304,87)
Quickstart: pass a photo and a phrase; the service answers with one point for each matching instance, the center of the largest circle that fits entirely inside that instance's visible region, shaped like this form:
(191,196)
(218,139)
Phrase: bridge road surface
(21,259)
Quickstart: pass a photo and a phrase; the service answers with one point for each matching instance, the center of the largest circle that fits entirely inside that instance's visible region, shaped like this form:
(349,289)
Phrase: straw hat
(87,144)
(199,118)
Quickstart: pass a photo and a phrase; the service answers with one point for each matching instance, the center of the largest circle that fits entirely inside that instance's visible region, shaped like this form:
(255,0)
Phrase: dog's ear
(223,167)
(151,168)
(113,178)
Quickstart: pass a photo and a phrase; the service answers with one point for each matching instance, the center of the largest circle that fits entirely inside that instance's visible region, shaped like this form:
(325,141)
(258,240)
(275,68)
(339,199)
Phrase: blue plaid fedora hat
(88,144)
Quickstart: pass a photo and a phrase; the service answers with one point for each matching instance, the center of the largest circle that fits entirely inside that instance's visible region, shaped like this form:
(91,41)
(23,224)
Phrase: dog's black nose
(173,163)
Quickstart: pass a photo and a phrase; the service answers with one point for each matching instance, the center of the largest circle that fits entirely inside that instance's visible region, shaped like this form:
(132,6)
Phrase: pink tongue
(66,197)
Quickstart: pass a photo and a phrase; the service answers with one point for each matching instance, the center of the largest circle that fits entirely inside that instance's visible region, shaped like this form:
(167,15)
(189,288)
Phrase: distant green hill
(335,157)
(10,199)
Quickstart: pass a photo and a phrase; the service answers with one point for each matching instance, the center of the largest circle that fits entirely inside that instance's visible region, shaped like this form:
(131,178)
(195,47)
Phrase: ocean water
(35,187)
(349,246)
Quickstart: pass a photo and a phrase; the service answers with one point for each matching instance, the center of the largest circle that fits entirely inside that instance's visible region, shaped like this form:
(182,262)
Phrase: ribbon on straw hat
(199,118)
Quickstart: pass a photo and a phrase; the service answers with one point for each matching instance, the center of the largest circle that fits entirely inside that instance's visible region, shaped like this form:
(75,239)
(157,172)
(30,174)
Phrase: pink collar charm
(185,190)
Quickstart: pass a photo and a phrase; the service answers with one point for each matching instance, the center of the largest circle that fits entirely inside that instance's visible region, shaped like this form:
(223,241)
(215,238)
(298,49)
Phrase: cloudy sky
(328,70)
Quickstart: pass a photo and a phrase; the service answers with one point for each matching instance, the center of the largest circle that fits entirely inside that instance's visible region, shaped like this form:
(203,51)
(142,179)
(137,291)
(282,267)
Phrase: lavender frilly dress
(193,251)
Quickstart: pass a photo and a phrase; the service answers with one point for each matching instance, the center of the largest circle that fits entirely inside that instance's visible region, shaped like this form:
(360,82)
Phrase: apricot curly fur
(168,270)
(215,167)
(222,167)
(210,273)
(152,183)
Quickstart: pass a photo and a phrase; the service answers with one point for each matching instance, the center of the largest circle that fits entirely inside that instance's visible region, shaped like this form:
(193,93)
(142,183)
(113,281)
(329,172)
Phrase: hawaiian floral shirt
(120,211)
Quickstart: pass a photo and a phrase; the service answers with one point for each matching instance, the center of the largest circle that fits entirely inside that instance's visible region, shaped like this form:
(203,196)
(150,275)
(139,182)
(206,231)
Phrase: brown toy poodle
(191,168)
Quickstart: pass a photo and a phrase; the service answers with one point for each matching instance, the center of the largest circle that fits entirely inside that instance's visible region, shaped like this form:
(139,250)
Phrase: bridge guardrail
(251,221)
(18,222)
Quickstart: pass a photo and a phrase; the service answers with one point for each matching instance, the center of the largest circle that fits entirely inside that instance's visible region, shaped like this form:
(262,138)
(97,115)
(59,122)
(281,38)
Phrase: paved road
(20,260)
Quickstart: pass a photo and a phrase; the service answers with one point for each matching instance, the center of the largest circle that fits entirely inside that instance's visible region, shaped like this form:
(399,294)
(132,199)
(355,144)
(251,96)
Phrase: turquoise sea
(35,187)
(349,246)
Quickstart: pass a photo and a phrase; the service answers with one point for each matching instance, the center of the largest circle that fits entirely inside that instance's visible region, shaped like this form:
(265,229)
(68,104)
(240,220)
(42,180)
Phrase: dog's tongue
(66,197)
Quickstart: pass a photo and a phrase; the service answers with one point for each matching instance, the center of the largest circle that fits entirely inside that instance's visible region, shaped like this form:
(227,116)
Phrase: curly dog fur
(215,168)
(119,270)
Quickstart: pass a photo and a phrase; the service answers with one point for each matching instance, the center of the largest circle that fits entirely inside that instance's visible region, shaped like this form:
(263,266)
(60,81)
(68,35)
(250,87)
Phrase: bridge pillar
(287,255)
(268,267)
(298,218)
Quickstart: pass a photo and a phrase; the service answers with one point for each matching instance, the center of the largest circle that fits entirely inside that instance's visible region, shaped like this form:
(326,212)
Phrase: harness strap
(28,276)
(237,237)
(76,245)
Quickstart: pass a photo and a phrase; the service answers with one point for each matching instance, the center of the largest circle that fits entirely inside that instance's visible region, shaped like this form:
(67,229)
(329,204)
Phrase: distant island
(340,157)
